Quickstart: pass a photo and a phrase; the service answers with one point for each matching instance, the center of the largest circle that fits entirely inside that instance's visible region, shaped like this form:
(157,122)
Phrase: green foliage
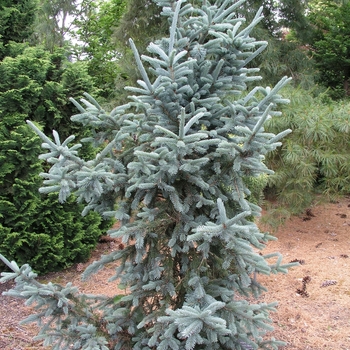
(270,8)
(285,57)
(143,23)
(97,44)
(16,22)
(315,156)
(330,45)
(36,228)
(256,187)
(178,158)
(48,235)
(54,21)
(38,84)
(293,15)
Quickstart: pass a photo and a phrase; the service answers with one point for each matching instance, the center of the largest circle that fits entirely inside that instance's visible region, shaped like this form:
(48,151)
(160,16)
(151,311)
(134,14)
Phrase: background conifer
(35,84)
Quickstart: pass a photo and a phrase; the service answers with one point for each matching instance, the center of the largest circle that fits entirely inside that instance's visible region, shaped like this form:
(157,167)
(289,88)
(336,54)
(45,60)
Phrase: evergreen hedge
(35,227)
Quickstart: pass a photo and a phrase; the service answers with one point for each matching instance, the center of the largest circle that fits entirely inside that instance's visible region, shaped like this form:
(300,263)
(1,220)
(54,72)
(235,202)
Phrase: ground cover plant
(172,168)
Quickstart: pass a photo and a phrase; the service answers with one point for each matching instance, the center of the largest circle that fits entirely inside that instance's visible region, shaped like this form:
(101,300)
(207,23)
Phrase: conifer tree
(175,159)
(36,228)
(16,22)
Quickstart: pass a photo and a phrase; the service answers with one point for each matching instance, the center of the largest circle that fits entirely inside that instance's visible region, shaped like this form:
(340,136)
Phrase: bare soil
(314,298)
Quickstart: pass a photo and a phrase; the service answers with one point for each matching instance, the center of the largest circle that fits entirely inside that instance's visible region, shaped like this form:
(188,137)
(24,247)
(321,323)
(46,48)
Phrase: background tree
(54,22)
(102,33)
(331,44)
(175,158)
(270,11)
(143,23)
(282,15)
(97,45)
(36,228)
(37,84)
(16,22)
(293,16)
(285,54)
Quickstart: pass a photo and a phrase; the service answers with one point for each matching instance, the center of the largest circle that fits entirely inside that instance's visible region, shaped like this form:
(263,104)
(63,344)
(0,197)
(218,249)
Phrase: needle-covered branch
(173,168)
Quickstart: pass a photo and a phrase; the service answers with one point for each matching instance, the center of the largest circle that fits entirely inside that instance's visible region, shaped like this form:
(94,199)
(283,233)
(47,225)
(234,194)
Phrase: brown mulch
(12,310)
(314,298)
(12,335)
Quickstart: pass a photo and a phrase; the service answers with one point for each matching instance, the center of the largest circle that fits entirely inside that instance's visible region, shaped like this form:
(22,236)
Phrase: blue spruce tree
(172,169)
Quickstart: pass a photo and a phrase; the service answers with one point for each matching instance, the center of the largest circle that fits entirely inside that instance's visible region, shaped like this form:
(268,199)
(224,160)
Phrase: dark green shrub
(55,239)
(35,227)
